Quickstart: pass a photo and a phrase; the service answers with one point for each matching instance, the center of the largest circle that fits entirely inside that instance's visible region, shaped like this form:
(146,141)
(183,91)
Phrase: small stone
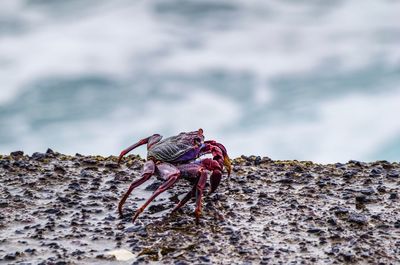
(181,262)
(3,203)
(248,190)
(109,218)
(85,174)
(376,171)
(112,165)
(298,169)
(204,259)
(355,162)
(362,199)
(348,256)
(381,188)
(75,186)
(349,174)
(357,218)
(155,208)
(142,233)
(332,221)
(78,252)
(393,196)
(59,169)
(393,174)
(52,211)
(315,230)
(368,191)
(340,210)
(376,216)
(253,177)
(153,186)
(339,165)
(89,161)
(133,229)
(49,151)
(38,156)
(321,183)
(12,256)
(30,250)
(286,180)
(17,153)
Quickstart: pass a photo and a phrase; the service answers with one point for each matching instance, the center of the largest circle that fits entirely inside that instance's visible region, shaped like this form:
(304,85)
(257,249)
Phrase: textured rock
(58,209)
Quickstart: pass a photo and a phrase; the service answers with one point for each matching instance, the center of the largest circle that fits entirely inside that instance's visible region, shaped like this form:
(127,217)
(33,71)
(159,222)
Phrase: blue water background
(308,80)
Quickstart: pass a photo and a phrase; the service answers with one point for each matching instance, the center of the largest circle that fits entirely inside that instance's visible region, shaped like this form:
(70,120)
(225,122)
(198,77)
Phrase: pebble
(376,171)
(38,156)
(340,210)
(368,191)
(393,175)
(315,230)
(357,218)
(362,199)
(349,174)
(257,161)
(12,256)
(17,153)
(153,186)
(248,190)
(75,186)
(3,203)
(155,208)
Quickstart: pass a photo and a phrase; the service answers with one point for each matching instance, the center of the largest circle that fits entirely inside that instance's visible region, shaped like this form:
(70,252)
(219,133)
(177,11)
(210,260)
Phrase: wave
(263,78)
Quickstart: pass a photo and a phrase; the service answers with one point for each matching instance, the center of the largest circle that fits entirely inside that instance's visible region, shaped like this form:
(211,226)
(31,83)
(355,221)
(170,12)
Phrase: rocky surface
(58,209)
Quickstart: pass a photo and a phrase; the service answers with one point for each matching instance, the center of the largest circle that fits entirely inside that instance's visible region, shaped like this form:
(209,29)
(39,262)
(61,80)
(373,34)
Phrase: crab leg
(189,171)
(198,170)
(185,199)
(201,184)
(151,140)
(166,171)
(148,171)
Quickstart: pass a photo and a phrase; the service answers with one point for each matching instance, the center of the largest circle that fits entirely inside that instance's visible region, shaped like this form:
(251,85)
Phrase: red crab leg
(166,171)
(148,171)
(185,199)
(194,169)
(149,141)
(190,171)
(199,193)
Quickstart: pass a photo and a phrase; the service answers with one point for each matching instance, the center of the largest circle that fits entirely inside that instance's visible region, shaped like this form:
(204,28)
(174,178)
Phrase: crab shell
(181,148)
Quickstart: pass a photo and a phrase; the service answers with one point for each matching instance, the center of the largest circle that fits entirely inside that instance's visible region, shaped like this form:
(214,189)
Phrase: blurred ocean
(310,80)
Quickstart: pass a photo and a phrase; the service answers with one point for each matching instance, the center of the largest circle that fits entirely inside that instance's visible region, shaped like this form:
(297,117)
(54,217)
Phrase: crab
(175,157)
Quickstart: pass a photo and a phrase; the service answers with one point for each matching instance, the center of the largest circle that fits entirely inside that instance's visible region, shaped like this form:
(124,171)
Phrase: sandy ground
(58,209)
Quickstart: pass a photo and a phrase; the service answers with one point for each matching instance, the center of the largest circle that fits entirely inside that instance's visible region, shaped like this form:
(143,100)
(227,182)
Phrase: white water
(288,79)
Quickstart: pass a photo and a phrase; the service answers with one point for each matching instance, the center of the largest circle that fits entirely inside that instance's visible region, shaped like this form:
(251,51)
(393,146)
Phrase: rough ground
(58,209)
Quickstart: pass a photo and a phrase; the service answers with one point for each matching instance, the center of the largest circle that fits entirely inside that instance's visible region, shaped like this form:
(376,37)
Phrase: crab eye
(197,140)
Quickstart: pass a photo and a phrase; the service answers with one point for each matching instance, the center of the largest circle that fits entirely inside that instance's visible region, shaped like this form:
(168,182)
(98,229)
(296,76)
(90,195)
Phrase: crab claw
(227,164)
(227,161)
(215,179)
